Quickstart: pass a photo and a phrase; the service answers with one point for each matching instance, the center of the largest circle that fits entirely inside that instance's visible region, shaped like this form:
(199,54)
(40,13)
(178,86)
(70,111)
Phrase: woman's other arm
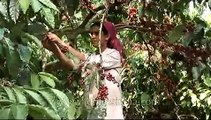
(62,44)
(65,61)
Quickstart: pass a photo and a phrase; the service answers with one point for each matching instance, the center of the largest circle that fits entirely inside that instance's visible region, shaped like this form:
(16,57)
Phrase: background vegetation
(166,73)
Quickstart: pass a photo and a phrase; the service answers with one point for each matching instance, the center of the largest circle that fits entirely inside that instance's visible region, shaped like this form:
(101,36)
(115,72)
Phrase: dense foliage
(166,73)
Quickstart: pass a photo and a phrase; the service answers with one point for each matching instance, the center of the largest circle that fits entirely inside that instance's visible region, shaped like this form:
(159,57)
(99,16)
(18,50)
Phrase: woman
(107,95)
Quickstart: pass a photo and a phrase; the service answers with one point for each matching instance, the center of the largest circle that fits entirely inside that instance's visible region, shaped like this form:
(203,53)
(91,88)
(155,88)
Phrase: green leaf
(1,50)
(72,111)
(198,32)
(40,112)
(24,52)
(207,81)
(3,8)
(49,4)
(195,73)
(57,100)
(208,33)
(35,82)
(49,97)
(24,4)
(36,5)
(72,5)
(6,102)
(13,63)
(187,39)
(19,95)
(64,101)
(145,99)
(32,38)
(38,30)
(47,80)
(10,93)
(48,15)
(176,34)
(14,10)
(34,95)
(19,111)
(1,33)
(50,76)
(5,114)
(204,95)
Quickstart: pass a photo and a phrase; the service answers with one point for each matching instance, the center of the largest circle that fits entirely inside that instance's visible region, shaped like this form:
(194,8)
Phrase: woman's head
(94,31)
(108,38)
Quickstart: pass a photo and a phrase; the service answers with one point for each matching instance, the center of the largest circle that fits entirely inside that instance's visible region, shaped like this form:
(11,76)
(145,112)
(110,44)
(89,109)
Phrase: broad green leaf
(10,93)
(24,4)
(208,99)
(3,8)
(6,102)
(194,99)
(34,95)
(1,50)
(47,80)
(24,52)
(205,94)
(49,4)
(5,114)
(72,5)
(78,111)
(1,33)
(57,101)
(36,5)
(64,101)
(32,38)
(49,16)
(145,101)
(13,62)
(38,30)
(195,73)
(40,112)
(35,82)
(187,39)
(50,98)
(208,33)
(14,10)
(49,75)
(207,81)
(19,111)
(19,95)
(198,32)
(72,111)
(209,3)
(176,34)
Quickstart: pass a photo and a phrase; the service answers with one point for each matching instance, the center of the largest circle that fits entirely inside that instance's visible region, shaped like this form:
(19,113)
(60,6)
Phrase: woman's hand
(50,45)
(54,38)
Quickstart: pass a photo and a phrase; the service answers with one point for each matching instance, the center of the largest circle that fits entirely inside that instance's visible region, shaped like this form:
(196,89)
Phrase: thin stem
(101,25)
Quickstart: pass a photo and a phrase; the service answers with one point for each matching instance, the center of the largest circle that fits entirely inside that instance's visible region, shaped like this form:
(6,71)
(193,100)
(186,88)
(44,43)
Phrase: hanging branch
(101,24)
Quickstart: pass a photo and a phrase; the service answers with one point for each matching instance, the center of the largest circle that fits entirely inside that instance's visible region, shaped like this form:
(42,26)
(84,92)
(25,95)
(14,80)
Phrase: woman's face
(94,33)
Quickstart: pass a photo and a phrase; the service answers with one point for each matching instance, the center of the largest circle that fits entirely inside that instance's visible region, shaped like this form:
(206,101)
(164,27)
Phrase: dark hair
(113,42)
(104,30)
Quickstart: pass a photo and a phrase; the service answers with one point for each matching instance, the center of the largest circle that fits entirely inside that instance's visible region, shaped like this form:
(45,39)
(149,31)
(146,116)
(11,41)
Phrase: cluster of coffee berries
(86,4)
(109,77)
(189,27)
(81,82)
(132,16)
(69,79)
(103,93)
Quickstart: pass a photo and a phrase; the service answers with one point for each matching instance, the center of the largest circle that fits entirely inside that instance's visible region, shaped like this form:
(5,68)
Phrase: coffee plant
(165,74)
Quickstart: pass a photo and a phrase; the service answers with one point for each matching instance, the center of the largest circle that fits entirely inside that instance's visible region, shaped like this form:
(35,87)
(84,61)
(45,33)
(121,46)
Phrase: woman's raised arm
(62,45)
